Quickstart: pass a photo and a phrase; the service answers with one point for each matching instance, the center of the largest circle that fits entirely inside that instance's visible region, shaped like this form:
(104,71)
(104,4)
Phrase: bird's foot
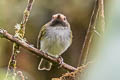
(44,53)
(60,60)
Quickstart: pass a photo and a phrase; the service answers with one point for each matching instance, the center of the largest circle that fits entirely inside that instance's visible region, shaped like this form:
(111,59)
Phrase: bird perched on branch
(54,39)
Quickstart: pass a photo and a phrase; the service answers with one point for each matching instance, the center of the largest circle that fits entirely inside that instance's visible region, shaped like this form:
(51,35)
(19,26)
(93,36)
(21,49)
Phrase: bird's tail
(44,65)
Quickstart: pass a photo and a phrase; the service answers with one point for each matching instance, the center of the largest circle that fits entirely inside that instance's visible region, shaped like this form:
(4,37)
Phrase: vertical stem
(101,15)
(19,33)
(97,11)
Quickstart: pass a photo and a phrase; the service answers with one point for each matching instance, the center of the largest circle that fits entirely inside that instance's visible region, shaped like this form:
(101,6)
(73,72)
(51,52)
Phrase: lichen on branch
(19,33)
(34,50)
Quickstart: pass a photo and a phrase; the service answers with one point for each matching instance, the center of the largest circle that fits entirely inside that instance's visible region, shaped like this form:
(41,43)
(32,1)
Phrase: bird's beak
(59,18)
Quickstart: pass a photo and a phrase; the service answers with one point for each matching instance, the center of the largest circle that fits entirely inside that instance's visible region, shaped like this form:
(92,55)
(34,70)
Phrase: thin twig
(97,14)
(102,15)
(35,51)
(20,32)
(26,16)
(89,35)
(73,75)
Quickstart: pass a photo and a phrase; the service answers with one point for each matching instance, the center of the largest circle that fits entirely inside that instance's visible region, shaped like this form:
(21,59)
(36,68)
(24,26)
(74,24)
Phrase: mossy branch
(19,33)
(73,75)
(34,50)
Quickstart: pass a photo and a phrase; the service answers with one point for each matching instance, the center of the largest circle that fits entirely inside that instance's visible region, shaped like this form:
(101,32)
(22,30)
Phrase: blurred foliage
(78,13)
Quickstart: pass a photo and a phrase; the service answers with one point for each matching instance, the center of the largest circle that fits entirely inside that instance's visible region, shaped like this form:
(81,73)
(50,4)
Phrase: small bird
(54,39)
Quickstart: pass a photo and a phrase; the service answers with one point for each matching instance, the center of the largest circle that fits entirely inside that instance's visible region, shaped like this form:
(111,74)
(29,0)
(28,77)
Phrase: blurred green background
(106,63)
(78,13)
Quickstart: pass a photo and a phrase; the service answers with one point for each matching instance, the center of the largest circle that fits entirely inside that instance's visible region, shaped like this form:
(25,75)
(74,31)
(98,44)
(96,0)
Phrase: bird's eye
(64,18)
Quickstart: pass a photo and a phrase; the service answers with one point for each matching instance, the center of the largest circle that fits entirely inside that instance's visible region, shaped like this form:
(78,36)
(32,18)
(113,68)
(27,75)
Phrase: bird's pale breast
(56,40)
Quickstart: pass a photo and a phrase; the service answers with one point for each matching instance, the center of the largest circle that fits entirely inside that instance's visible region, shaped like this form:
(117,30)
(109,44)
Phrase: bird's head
(59,20)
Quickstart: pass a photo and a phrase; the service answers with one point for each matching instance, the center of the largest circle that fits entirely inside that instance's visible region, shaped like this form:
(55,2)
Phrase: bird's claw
(60,60)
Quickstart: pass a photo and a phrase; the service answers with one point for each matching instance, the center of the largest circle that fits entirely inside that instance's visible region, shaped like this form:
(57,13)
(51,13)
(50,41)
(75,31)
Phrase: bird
(54,38)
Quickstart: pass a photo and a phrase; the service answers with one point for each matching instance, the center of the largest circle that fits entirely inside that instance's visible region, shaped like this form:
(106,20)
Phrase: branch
(98,12)
(89,35)
(19,32)
(35,51)
(101,16)
(25,17)
(76,75)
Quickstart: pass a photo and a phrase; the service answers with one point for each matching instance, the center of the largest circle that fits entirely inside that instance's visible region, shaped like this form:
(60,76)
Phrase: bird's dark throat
(58,23)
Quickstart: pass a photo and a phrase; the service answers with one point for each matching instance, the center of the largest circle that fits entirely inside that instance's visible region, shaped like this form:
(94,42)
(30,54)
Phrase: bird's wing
(41,34)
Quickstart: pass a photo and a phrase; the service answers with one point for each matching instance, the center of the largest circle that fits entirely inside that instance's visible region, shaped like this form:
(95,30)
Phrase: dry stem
(97,11)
